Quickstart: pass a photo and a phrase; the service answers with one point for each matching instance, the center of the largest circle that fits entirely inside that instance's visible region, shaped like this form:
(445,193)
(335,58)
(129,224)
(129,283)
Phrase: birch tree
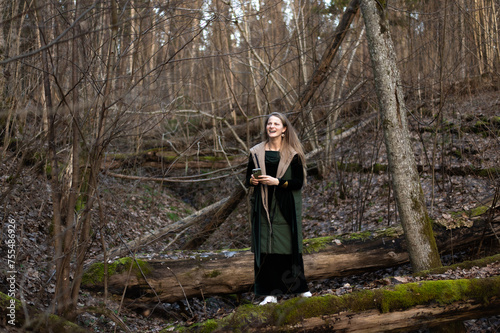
(408,192)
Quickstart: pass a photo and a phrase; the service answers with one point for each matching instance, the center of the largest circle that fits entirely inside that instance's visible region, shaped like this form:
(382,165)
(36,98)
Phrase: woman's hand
(254,181)
(266,180)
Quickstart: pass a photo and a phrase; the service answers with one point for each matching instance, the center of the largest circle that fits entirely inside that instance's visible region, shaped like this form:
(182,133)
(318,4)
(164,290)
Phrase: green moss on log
(480,210)
(314,245)
(388,299)
(52,323)
(5,301)
(95,274)
(392,232)
(212,274)
(364,235)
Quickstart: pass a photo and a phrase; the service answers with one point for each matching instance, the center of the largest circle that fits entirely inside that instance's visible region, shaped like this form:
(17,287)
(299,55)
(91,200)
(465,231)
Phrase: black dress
(278,274)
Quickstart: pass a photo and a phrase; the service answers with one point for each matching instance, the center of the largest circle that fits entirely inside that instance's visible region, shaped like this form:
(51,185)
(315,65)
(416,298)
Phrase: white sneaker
(306,294)
(269,299)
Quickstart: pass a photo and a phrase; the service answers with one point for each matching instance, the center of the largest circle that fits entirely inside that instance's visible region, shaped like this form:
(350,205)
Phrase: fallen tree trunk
(320,315)
(215,220)
(232,272)
(422,316)
(395,308)
(203,216)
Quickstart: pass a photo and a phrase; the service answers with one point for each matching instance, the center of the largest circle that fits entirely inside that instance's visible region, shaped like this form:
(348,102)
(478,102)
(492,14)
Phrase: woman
(277,211)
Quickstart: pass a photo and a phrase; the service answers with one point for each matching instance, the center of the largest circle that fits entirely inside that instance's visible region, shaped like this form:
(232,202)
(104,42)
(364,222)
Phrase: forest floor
(337,203)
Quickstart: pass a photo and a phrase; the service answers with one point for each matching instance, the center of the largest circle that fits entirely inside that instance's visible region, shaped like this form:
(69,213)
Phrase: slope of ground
(339,202)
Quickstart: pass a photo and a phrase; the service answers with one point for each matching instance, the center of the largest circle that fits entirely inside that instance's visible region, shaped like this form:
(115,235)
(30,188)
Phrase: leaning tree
(408,192)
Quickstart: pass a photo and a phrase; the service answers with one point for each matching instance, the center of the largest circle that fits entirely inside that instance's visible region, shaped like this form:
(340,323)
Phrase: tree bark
(229,272)
(407,189)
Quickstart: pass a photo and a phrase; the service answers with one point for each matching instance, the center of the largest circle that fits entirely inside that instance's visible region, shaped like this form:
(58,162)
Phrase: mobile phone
(256,172)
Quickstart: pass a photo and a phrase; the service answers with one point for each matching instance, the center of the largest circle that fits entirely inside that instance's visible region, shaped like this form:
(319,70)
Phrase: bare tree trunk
(55,185)
(252,72)
(12,49)
(301,31)
(320,73)
(463,66)
(73,193)
(407,189)
(75,144)
(495,37)
(335,100)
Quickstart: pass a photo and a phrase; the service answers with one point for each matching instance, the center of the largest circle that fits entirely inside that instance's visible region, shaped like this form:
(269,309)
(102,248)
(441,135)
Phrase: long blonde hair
(290,141)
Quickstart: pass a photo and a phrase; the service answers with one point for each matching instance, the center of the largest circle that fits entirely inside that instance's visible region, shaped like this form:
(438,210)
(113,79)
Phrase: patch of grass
(489,172)
(377,167)
(173,216)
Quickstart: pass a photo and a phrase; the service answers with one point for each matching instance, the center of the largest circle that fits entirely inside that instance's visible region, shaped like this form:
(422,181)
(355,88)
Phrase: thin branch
(172,179)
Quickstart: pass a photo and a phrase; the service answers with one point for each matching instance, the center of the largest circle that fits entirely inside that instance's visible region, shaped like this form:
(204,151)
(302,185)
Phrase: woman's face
(274,127)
